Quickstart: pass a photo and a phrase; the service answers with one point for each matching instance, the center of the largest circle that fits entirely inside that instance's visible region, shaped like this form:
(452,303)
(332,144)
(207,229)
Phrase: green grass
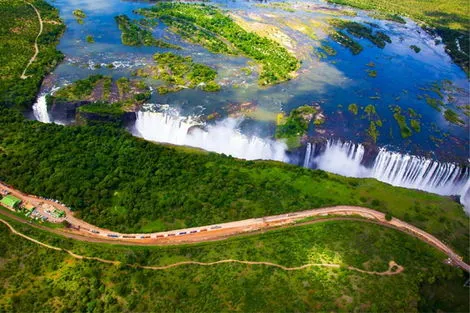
(19,27)
(96,169)
(47,280)
(219,33)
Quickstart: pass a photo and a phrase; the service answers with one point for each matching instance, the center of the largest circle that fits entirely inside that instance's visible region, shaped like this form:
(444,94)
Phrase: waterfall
(307,155)
(343,158)
(40,110)
(419,173)
(465,196)
(222,137)
(403,170)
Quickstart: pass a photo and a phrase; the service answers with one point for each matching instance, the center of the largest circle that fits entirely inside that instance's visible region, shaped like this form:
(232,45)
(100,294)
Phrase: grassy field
(46,280)
(19,26)
(450,19)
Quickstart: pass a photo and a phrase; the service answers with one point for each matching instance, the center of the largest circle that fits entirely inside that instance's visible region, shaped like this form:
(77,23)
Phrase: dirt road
(86,231)
(36,47)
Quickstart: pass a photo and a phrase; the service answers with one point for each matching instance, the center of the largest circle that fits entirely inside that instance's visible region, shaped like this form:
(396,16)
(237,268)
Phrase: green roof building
(10,202)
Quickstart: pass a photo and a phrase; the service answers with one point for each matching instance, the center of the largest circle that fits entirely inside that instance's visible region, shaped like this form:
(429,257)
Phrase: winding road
(81,230)
(36,47)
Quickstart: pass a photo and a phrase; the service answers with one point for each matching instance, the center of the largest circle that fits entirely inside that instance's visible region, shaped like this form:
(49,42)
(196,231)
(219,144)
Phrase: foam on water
(403,170)
(222,137)
(40,110)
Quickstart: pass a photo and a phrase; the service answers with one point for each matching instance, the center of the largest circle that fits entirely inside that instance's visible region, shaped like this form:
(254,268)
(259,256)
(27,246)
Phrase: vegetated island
(293,127)
(79,16)
(209,27)
(101,95)
(358,30)
(180,72)
(135,35)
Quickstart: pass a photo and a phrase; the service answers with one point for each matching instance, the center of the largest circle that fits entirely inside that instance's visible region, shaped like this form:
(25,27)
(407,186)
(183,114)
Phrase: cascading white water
(465,196)
(40,110)
(419,173)
(339,157)
(308,152)
(397,169)
(223,137)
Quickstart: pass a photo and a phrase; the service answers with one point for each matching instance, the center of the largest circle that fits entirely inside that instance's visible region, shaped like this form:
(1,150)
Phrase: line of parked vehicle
(194,231)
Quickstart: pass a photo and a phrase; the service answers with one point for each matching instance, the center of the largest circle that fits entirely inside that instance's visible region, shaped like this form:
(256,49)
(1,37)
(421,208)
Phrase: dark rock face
(126,119)
(65,111)
(318,146)
(370,153)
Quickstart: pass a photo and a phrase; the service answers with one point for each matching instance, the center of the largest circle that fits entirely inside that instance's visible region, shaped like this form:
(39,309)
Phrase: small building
(29,207)
(58,213)
(10,202)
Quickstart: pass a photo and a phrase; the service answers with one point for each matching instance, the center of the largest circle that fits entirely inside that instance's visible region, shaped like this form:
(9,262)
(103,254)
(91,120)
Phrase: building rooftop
(10,201)
(29,206)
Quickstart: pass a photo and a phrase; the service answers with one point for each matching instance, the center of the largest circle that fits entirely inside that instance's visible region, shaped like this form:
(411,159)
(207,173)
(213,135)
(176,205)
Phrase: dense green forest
(213,29)
(19,26)
(115,180)
(53,281)
(448,19)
